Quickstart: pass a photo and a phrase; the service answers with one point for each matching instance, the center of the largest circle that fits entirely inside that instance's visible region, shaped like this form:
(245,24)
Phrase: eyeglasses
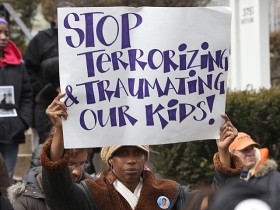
(84,164)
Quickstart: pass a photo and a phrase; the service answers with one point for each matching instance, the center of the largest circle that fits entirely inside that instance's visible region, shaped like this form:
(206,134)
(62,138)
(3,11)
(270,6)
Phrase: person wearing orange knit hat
(257,167)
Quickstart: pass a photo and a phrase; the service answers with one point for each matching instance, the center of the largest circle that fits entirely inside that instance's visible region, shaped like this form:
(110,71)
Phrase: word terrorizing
(200,68)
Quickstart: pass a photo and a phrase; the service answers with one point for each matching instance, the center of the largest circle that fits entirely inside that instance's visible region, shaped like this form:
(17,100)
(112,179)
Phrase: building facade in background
(253,22)
(274,12)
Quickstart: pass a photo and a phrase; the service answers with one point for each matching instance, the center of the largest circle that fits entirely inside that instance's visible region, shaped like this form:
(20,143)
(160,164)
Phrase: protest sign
(143,75)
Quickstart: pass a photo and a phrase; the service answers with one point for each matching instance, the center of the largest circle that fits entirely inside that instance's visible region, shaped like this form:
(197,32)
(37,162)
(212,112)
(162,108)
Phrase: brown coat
(62,194)
(108,198)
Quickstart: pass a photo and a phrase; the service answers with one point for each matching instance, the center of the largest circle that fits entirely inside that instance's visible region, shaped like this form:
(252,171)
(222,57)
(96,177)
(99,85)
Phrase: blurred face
(247,156)
(76,165)
(128,164)
(4,35)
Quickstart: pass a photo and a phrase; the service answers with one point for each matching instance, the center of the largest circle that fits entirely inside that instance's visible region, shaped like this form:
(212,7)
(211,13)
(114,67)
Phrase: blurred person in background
(43,46)
(29,194)
(258,169)
(240,196)
(13,76)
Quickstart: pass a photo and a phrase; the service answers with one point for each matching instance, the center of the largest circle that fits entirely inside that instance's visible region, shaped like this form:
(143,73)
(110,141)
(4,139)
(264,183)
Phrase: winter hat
(242,141)
(107,152)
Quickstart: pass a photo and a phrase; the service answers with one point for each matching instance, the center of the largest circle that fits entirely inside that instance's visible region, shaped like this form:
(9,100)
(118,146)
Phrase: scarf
(12,55)
(132,198)
(244,174)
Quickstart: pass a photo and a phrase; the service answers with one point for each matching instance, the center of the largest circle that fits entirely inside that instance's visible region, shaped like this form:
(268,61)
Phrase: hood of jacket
(266,167)
(15,191)
(263,165)
(29,182)
(12,55)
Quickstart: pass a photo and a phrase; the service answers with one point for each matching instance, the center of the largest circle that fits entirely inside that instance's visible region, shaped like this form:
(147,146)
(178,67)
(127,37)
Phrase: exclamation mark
(210,102)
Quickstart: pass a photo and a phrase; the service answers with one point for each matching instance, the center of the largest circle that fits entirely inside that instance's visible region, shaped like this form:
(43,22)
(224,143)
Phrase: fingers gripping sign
(56,110)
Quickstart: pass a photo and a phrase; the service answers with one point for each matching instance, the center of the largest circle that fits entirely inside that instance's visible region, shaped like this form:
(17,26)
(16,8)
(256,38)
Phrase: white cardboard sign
(143,75)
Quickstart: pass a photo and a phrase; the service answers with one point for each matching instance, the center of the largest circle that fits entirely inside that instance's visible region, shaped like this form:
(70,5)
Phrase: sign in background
(143,75)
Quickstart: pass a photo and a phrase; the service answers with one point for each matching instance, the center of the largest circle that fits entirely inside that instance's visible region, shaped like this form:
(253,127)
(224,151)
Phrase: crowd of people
(62,178)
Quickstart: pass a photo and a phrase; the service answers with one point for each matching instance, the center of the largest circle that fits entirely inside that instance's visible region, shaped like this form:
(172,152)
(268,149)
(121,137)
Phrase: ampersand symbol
(70,96)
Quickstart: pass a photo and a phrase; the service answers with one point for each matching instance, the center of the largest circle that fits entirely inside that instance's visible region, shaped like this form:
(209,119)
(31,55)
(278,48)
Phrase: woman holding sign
(126,184)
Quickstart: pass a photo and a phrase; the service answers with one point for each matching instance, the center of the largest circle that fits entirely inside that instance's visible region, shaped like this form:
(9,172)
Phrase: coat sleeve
(61,193)
(184,197)
(29,203)
(222,174)
(21,204)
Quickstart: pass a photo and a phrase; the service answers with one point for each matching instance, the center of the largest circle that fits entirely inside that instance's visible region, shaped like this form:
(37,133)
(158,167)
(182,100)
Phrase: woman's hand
(56,110)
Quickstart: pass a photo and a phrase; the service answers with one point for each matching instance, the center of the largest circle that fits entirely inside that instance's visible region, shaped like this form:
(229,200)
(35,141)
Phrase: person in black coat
(28,194)
(42,47)
(50,70)
(15,116)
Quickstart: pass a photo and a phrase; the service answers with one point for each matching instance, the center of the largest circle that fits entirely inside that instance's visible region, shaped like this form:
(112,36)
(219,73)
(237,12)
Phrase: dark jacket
(44,45)
(4,203)
(4,177)
(13,73)
(28,194)
(266,176)
(235,193)
(100,194)
(43,124)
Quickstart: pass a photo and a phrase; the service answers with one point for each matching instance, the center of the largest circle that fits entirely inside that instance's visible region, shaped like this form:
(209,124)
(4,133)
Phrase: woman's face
(4,36)
(128,164)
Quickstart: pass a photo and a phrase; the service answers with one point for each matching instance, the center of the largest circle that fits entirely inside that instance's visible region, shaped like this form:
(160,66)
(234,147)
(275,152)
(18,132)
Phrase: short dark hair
(75,151)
